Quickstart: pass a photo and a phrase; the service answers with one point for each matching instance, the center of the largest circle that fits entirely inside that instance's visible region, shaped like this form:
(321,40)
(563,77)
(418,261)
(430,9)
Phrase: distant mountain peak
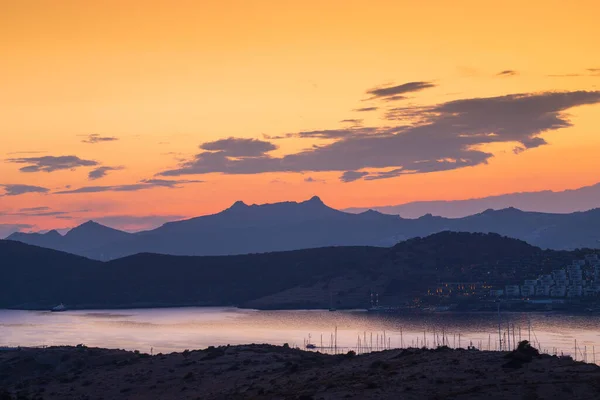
(53,232)
(90,223)
(239,205)
(491,211)
(315,200)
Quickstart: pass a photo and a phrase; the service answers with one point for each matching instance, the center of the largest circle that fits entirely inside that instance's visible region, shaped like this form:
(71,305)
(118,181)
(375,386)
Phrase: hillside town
(576,286)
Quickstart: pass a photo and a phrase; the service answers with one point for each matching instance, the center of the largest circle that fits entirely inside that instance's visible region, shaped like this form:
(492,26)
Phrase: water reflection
(177,329)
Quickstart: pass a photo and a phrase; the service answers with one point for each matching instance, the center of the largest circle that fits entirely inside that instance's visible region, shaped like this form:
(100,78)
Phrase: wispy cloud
(34,209)
(392,92)
(101,172)
(142,185)
(96,138)
(366,109)
(40,213)
(507,72)
(51,163)
(46,212)
(17,189)
(428,139)
(588,72)
(26,152)
(352,121)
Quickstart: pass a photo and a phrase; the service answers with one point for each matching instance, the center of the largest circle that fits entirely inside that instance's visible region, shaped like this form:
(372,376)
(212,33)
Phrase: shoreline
(361,310)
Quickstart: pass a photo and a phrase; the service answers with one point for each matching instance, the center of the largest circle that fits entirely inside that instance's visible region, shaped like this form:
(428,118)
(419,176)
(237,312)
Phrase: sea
(165,330)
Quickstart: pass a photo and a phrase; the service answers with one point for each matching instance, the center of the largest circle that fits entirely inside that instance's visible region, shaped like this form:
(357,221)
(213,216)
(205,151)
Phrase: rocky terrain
(273,372)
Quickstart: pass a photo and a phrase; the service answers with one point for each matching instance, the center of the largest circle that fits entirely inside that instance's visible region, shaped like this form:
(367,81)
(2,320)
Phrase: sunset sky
(133,113)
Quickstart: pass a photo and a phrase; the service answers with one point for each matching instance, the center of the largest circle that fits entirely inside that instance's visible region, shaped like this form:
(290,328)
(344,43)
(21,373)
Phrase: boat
(308,344)
(59,308)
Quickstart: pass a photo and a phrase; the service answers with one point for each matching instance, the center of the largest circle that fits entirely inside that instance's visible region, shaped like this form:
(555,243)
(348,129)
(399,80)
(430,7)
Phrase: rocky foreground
(273,372)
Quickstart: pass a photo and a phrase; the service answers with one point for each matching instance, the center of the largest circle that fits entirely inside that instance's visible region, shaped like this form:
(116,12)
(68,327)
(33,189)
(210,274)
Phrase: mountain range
(567,201)
(243,229)
(38,278)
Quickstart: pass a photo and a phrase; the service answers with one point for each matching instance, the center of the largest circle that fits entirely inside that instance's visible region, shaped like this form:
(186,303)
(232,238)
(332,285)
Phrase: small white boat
(58,308)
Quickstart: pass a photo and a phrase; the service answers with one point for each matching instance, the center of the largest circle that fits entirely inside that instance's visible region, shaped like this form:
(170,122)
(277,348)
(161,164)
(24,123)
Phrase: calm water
(177,329)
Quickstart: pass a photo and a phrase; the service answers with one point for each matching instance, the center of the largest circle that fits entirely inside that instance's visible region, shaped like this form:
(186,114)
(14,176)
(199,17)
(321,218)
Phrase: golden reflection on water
(177,329)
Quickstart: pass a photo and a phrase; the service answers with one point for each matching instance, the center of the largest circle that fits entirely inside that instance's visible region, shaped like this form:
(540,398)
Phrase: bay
(176,329)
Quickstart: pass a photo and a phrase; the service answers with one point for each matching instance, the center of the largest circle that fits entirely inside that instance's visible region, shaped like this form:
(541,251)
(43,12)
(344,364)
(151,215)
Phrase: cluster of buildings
(464,289)
(580,279)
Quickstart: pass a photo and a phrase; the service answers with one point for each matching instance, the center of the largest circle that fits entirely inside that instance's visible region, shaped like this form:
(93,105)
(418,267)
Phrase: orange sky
(164,77)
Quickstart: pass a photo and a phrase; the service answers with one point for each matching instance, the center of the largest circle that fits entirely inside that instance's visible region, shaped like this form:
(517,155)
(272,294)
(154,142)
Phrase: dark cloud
(16,190)
(351,176)
(238,147)
(8,229)
(507,72)
(310,179)
(366,109)
(438,138)
(389,92)
(101,172)
(142,185)
(95,138)
(51,163)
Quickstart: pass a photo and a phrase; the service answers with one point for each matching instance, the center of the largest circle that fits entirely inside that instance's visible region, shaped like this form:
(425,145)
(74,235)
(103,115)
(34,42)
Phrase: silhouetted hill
(244,229)
(33,277)
(81,240)
(546,201)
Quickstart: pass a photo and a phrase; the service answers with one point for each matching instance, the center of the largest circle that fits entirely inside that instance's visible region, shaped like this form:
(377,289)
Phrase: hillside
(41,278)
(244,229)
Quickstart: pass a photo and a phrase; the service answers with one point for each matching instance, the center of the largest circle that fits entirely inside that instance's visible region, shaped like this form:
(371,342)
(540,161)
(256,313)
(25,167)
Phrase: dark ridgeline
(34,277)
(243,229)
